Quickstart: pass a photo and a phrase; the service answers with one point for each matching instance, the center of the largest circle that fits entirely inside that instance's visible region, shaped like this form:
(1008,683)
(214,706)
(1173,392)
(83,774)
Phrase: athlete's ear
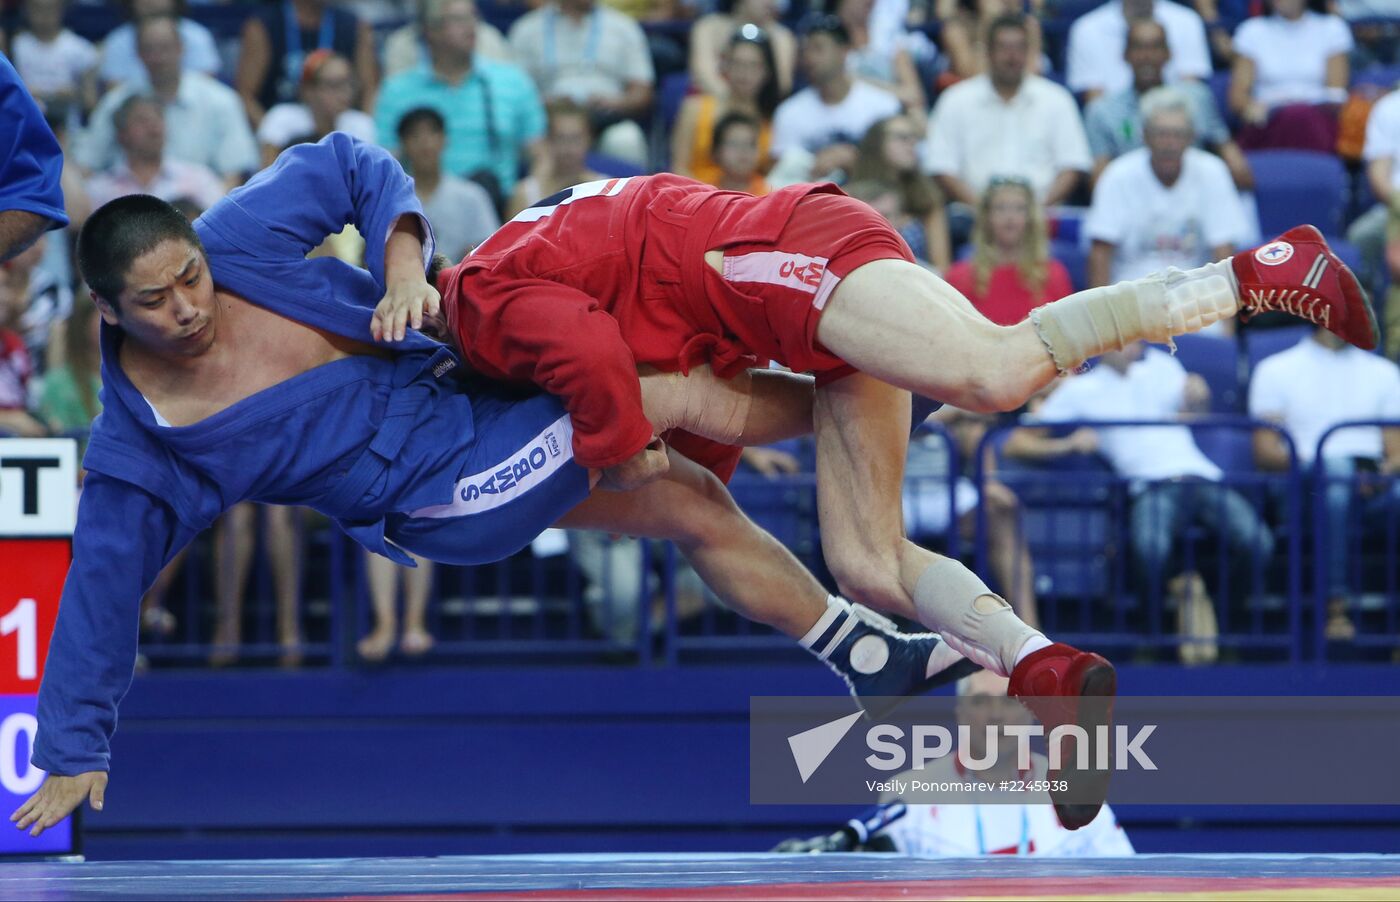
(108,311)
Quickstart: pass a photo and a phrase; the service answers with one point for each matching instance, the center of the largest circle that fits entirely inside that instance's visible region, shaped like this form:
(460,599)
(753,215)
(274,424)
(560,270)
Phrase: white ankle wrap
(1153,308)
(973,620)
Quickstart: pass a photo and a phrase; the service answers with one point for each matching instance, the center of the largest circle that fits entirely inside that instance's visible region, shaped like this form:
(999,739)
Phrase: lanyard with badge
(590,48)
(1022,846)
(295,54)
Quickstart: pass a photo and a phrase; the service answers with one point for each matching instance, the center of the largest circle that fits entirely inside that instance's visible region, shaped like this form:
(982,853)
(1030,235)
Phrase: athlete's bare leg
(760,579)
(900,323)
(746,567)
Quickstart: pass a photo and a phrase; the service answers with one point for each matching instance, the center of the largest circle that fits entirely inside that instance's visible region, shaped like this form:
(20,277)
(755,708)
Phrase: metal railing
(636,604)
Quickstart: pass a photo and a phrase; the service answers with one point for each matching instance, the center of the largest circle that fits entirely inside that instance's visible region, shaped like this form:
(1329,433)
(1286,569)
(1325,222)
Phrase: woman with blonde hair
(889,154)
(1011,271)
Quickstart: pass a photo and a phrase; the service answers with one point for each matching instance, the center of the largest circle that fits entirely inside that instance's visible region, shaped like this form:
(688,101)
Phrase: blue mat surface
(666,874)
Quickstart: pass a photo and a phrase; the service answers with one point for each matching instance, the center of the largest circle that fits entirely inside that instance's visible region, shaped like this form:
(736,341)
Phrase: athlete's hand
(647,465)
(403,305)
(57,798)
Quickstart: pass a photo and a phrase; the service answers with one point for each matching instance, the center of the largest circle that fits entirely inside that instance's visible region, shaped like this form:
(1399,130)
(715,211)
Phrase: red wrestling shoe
(1297,273)
(1063,685)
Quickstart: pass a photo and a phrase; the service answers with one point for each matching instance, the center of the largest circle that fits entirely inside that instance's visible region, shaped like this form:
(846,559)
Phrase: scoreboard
(38,508)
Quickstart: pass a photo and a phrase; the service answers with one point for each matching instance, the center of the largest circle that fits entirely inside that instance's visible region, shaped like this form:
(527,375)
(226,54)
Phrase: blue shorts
(518,479)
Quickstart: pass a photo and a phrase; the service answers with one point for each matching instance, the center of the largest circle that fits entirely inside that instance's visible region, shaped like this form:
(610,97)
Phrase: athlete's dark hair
(436,266)
(122,231)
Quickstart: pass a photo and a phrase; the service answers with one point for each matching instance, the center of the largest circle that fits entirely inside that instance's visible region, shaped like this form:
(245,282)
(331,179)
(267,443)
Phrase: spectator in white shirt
(460,211)
(144,167)
(599,58)
(327,98)
(1094,63)
(1114,120)
(406,47)
(1309,388)
(881,57)
(56,65)
(827,119)
(1290,72)
(122,65)
(205,120)
(1171,483)
(1007,123)
(1382,156)
(1166,204)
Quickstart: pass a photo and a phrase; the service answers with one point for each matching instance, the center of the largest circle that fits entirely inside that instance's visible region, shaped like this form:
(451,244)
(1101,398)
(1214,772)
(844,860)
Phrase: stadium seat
(612,166)
(1216,360)
(674,87)
(1075,259)
(1261,343)
(1232,450)
(1298,186)
(1384,77)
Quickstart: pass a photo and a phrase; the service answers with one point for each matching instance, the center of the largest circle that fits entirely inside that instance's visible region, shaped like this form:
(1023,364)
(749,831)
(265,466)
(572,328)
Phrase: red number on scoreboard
(31,580)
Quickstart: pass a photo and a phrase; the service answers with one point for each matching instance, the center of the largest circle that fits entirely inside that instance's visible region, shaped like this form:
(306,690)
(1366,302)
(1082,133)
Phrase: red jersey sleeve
(563,341)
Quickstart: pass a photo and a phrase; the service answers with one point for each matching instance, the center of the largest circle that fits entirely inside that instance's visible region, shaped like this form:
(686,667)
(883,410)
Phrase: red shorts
(781,288)
(773,293)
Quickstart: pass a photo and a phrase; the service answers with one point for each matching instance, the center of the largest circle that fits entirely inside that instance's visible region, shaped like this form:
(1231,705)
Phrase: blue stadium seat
(1261,343)
(1385,77)
(1299,186)
(612,166)
(1232,450)
(1219,83)
(1075,259)
(1215,359)
(674,87)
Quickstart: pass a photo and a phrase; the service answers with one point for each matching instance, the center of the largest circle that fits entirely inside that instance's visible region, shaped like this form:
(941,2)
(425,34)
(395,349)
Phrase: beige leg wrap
(701,402)
(974,621)
(1153,308)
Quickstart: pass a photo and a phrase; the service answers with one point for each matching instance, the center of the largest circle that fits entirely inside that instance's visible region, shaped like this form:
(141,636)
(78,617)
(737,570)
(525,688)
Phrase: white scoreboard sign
(37,481)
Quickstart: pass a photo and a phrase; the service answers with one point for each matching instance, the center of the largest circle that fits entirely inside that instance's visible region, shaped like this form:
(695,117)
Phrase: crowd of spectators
(1024,148)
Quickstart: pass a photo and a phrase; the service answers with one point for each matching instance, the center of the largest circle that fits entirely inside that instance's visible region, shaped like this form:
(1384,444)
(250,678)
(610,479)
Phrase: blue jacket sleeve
(314,190)
(123,538)
(31,162)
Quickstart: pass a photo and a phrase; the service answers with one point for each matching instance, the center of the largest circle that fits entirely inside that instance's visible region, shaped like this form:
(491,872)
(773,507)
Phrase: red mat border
(1024,887)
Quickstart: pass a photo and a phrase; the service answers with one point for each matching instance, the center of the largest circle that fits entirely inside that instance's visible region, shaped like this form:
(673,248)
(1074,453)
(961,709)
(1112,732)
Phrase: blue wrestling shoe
(881,665)
(921,409)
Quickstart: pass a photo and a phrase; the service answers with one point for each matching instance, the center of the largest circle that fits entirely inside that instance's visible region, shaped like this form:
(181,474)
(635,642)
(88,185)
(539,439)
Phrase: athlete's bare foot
(416,642)
(376,646)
